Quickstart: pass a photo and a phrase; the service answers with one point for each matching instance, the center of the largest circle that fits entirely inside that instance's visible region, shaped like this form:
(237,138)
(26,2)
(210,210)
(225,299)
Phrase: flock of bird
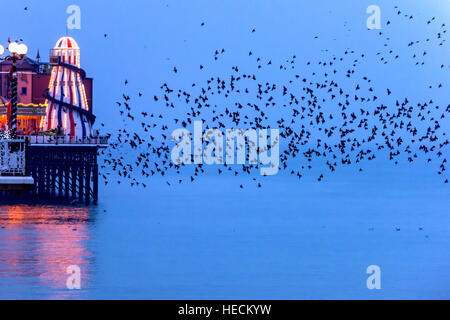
(329,115)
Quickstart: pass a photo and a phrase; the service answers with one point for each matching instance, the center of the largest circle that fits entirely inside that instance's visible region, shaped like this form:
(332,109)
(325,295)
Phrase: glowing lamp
(13,47)
(22,49)
(2,50)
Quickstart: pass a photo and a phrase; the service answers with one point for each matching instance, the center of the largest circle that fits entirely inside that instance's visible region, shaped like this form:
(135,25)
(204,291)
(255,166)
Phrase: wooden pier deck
(16,183)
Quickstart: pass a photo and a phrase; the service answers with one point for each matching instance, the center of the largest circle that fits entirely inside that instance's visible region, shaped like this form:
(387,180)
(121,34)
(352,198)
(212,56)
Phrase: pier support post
(69,172)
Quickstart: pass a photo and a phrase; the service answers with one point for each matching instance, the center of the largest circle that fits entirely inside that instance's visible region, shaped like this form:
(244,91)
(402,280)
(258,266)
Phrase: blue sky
(147,39)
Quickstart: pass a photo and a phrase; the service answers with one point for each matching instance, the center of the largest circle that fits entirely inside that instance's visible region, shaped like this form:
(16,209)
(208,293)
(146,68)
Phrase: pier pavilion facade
(54,155)
(33,82)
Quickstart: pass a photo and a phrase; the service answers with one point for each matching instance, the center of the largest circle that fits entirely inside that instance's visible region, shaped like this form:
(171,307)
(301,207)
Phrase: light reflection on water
(37,244)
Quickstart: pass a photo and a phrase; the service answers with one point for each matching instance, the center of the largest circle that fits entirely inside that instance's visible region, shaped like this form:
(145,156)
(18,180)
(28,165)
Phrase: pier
(48,146)
(46,167)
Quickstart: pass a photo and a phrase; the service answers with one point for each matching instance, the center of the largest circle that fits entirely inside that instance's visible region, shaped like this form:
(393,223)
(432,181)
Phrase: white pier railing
(52,140)
(12,157)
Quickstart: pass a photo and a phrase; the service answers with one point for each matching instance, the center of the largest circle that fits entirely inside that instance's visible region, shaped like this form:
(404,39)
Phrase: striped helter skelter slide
(67,106)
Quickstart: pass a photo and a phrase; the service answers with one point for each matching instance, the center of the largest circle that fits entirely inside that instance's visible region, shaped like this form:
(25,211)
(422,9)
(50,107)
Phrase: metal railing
(67,140)
(13,157)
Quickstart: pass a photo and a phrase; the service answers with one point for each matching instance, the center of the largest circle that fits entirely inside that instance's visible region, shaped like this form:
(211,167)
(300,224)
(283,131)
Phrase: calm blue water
(212,240)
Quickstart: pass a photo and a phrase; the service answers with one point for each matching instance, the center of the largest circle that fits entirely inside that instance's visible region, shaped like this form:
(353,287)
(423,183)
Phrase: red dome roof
(67,43)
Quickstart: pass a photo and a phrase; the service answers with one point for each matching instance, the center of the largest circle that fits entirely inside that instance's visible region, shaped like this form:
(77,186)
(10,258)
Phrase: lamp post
(18,51)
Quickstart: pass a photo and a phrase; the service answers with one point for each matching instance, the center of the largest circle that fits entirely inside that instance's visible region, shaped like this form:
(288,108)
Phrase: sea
(212,239)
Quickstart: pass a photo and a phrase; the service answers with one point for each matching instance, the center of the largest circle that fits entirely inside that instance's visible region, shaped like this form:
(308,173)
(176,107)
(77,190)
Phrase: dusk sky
(222,235)
(146,39)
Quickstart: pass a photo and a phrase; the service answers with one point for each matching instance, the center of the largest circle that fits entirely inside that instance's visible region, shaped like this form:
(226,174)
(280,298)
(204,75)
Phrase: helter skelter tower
(67,107)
